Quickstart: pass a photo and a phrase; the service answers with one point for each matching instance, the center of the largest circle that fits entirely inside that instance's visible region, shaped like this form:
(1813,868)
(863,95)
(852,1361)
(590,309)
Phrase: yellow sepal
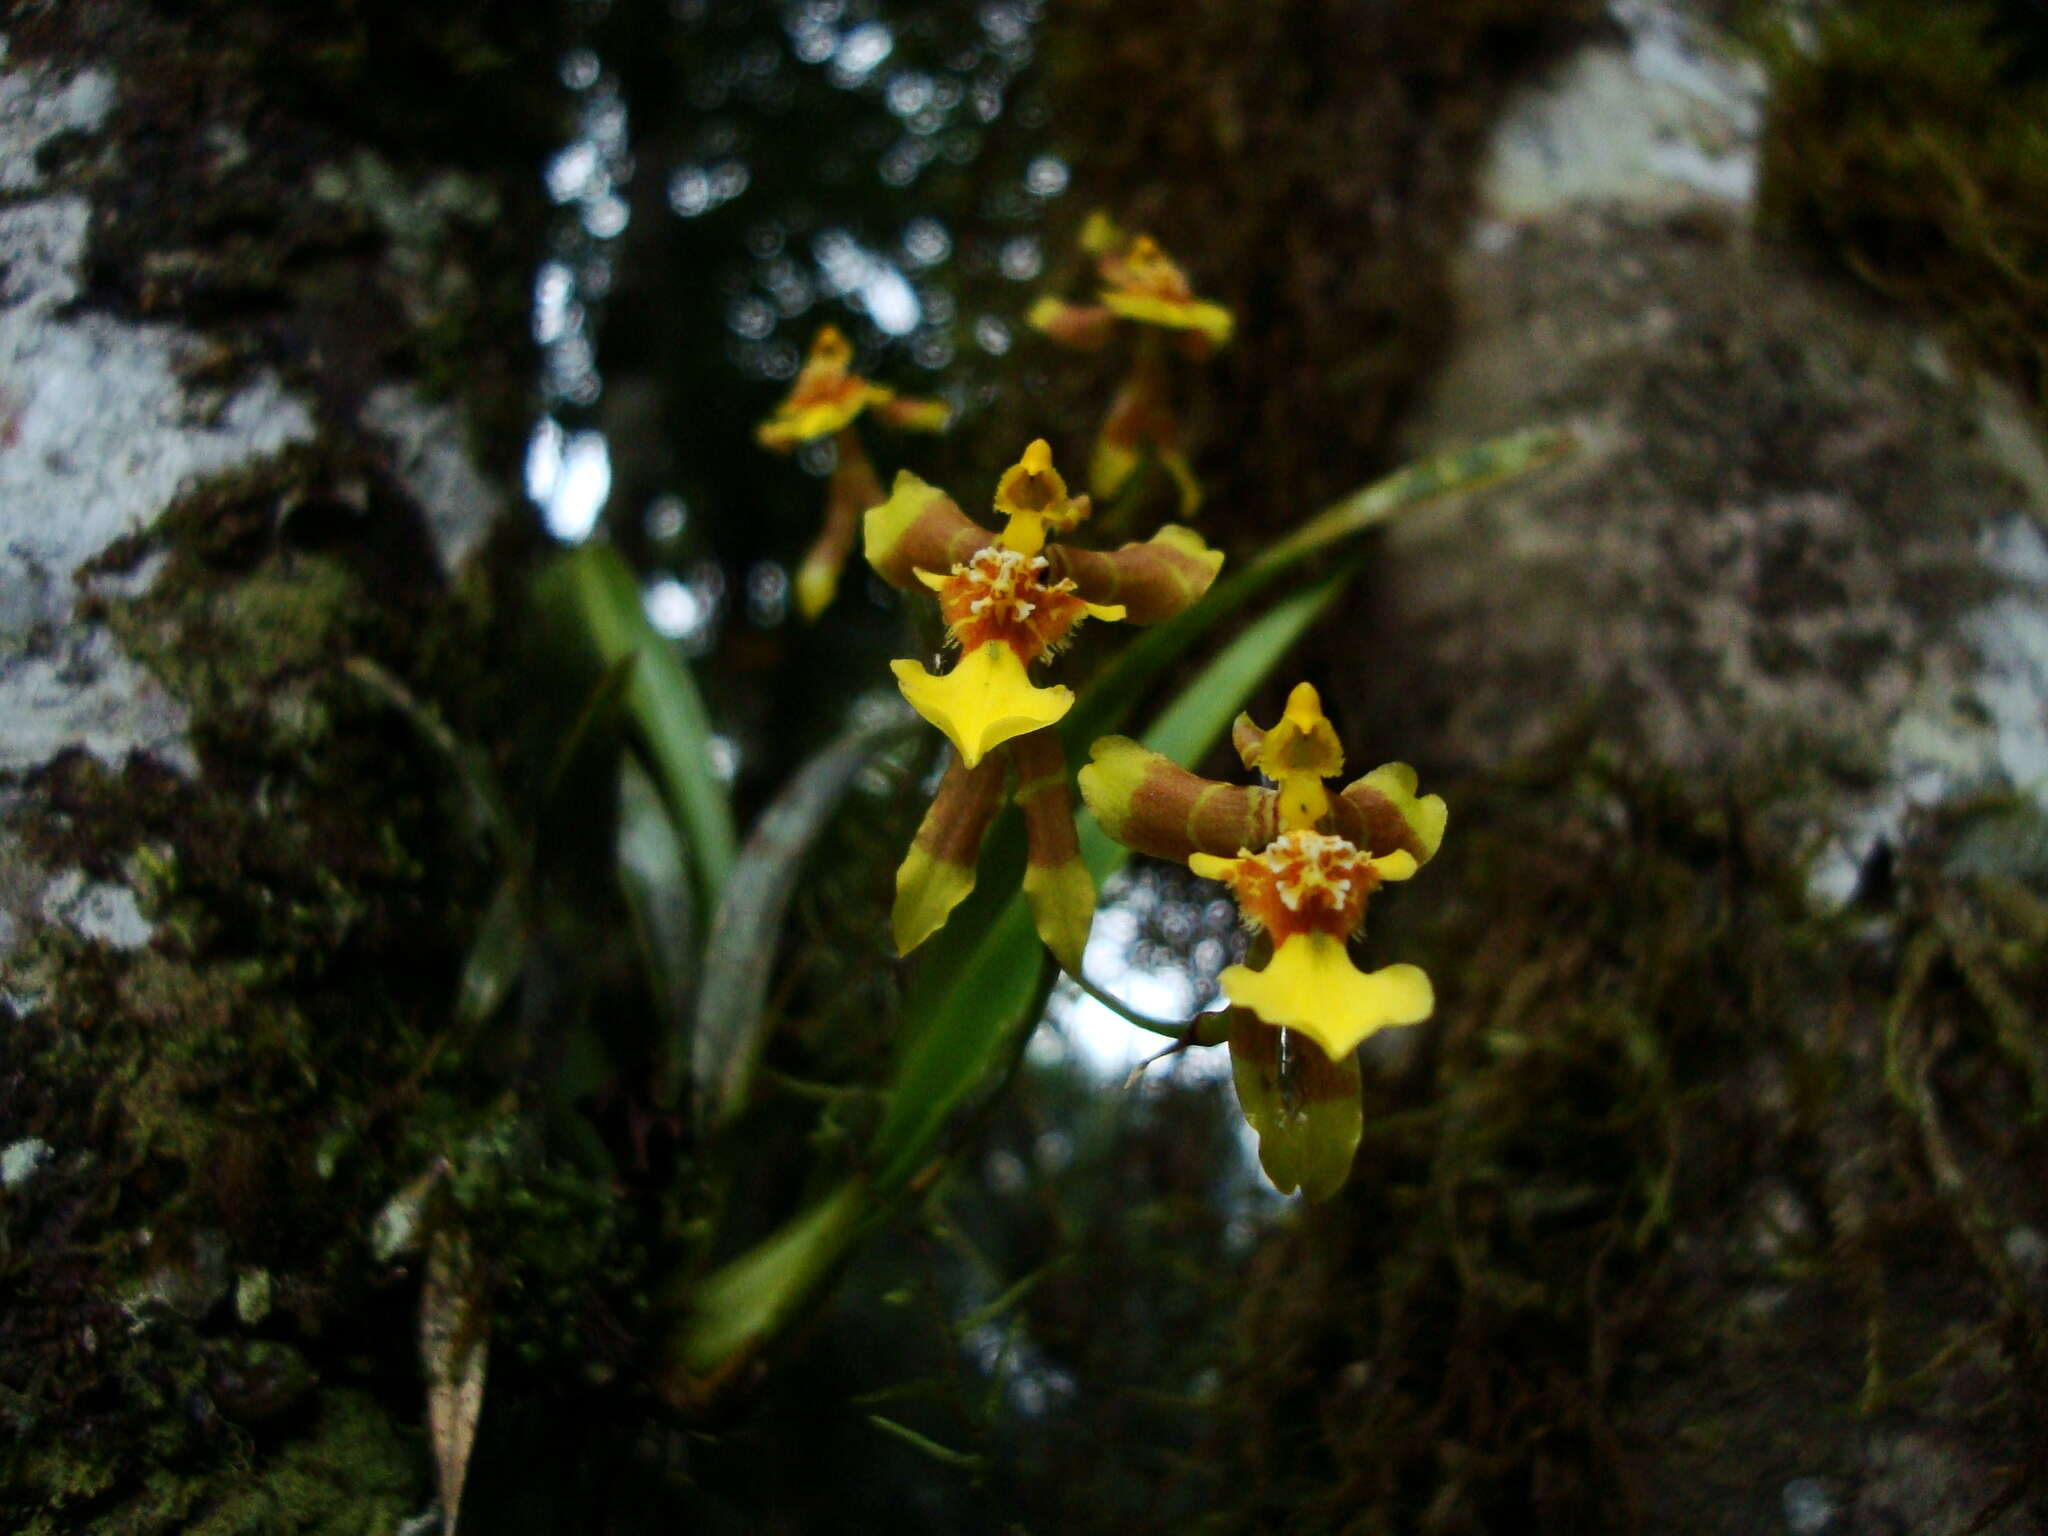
(1117,766)
(927,891)
(816,585)
(786,429)
(1208,866)
(1426,814)
(984,701)
(1212,320)
(1109,467)
(1311,985)
(1062,909)
(883,526)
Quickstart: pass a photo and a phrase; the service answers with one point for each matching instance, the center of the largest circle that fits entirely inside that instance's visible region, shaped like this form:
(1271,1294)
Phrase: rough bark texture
(261,323)
(1712,1201)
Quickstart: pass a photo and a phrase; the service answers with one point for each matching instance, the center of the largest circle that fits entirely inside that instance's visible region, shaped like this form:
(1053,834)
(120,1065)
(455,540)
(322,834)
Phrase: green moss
(1908,141)
(352,1474)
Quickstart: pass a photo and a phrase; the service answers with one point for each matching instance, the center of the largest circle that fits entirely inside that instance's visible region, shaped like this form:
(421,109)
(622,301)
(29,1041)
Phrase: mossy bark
(208,1093)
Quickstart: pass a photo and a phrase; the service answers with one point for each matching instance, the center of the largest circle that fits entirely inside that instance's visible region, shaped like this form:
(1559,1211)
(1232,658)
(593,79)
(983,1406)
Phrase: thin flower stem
(1125,1012)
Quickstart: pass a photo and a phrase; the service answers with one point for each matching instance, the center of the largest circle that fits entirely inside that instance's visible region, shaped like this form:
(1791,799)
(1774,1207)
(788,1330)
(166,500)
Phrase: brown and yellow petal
(908,413)
(919,528)
(1212,321)
(1382,812)
(1304,1106)
(1083,327)
(1151,804)
(852,489)
(938,872)
(1056,880)
(1154,580)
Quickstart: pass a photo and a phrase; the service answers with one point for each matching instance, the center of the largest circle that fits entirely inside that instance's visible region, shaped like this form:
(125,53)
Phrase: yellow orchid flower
(1140,283)
(1006,612)
(1303,867)
(1010,602)
(825,401)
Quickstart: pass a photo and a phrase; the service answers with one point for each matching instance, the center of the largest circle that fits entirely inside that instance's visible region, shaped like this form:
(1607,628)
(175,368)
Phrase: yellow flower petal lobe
(984,701)
(1425,814)
(1210,320)
(816,585)
(1062,898)
(927,891)
(1207,865)
(1311,985)
(1398,865)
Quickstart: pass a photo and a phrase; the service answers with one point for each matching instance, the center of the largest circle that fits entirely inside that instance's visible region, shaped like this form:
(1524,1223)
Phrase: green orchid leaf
(593,724)
(497,956)
(1119,687)
(489,807)
(959,1031)
(654,877)
(732,1022)
(594,594)
(1305,1107)
(736,1308)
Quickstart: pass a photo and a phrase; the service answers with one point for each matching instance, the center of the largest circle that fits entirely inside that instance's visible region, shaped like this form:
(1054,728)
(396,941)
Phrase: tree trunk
(263,374)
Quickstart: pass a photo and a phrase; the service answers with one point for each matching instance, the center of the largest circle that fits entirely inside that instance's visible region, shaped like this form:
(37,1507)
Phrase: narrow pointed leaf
(497,955)
(731,1018)
(487,803)
(654,877)
(1117,689)
(738,1307)
(454,1345)
(596,595)
(606,697)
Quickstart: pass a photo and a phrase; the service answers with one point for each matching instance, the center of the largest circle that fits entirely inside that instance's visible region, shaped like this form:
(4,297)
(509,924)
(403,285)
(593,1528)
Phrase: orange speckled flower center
(1147,271)
(1002,594)
(1304,882)
(829,385)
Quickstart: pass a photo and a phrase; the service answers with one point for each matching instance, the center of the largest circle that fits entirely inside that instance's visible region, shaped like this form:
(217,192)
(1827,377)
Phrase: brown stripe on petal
(1154,580)
(1139,413)
(1153,805)
(919,528)
(1369,819)
(962,809)
(852,489)
(1084,327)
(1056,882)
(1042,793)
(1247,738)
(1226,819)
